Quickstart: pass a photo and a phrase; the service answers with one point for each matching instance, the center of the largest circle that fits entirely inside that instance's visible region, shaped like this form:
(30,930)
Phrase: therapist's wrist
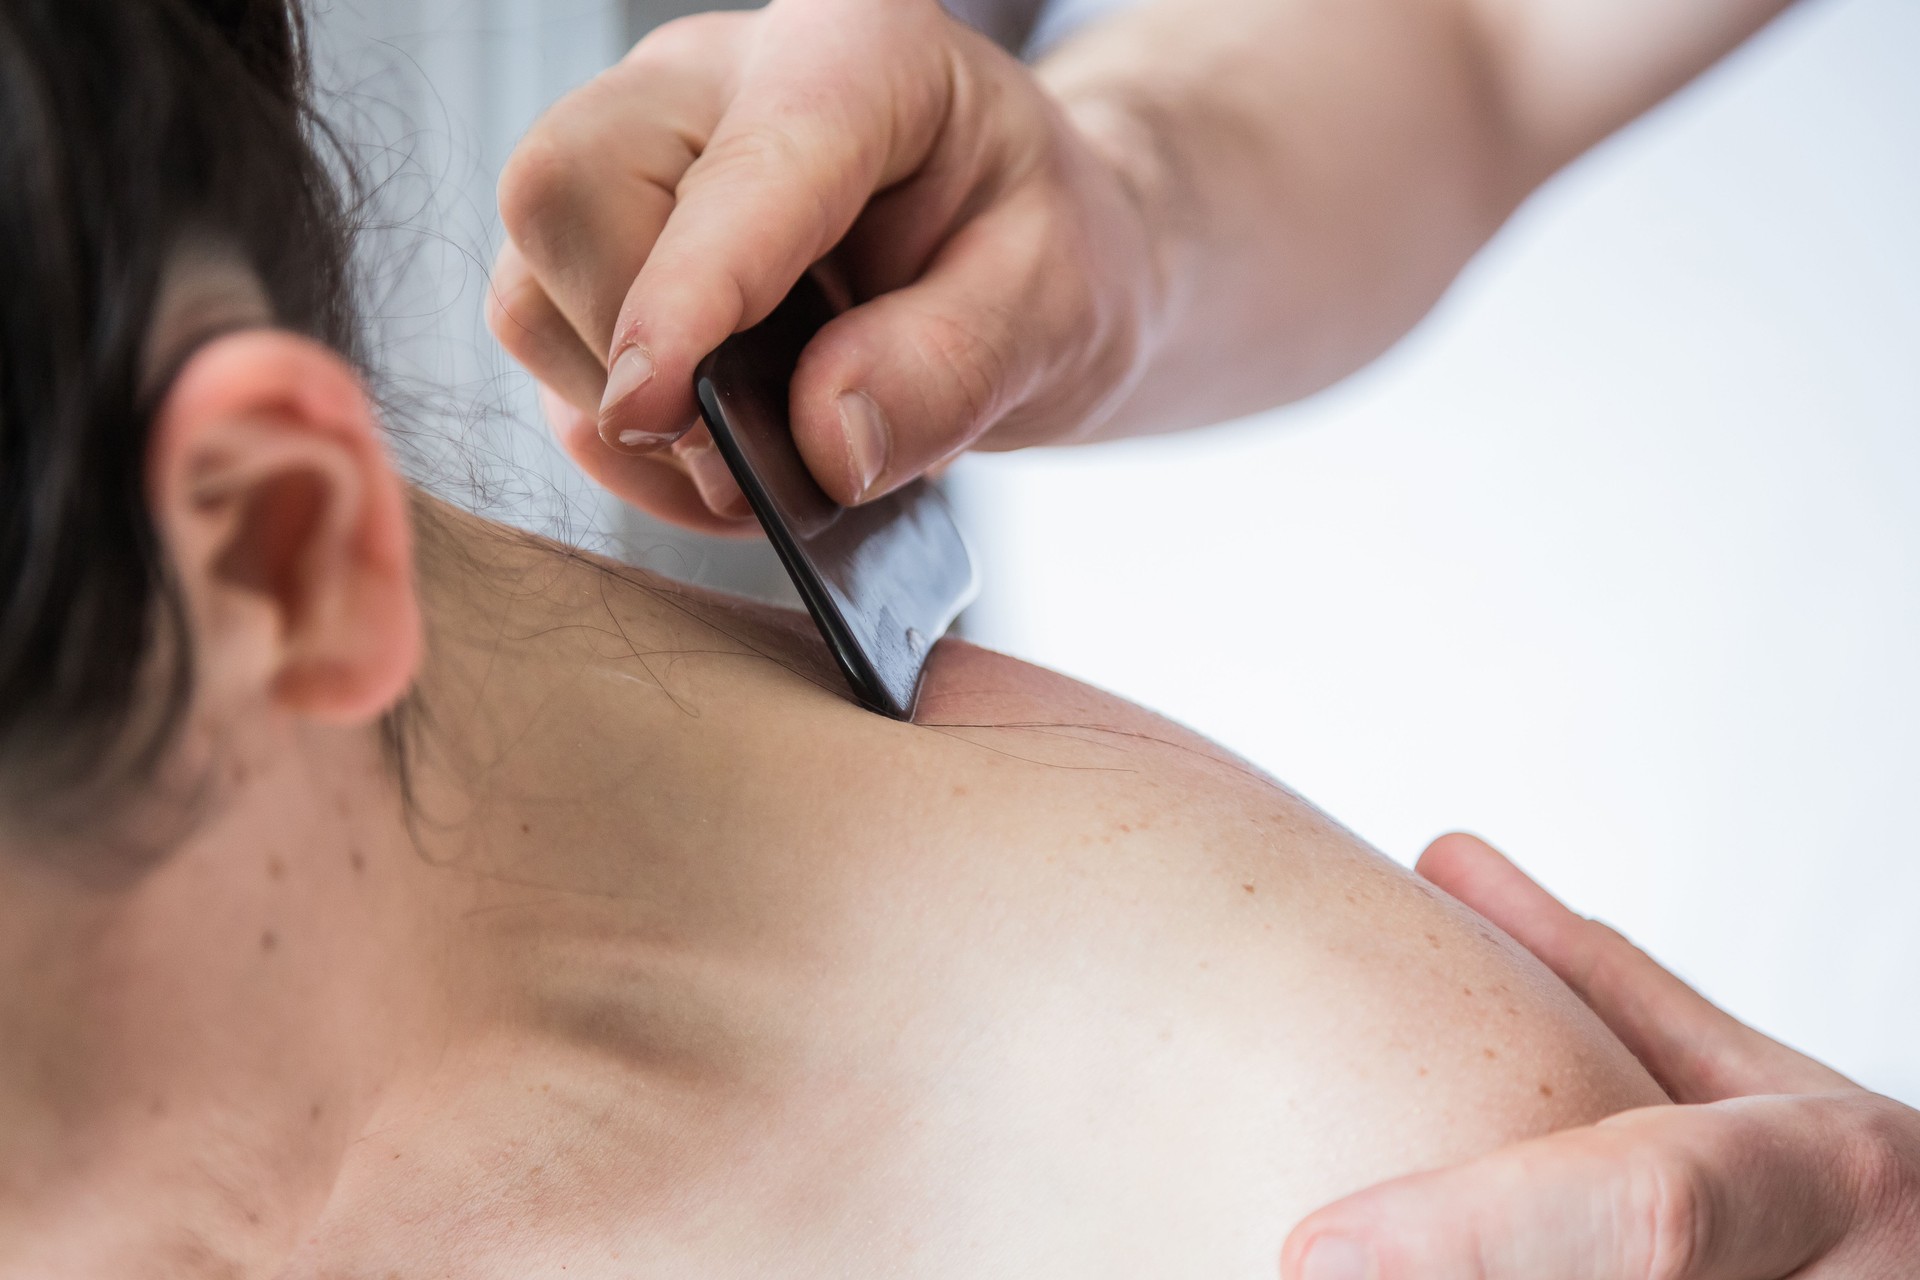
(1129,137)
(1156,259)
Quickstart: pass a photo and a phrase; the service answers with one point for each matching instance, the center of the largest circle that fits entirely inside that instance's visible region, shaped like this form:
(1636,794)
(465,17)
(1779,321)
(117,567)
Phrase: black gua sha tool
(884,580)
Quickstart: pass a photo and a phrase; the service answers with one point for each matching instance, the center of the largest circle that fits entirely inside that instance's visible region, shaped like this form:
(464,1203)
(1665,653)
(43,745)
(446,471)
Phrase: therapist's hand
(1000,265)
(1774,1167)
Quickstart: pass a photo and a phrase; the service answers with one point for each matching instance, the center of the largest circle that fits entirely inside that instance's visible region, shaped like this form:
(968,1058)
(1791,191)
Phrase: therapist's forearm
(1316,172)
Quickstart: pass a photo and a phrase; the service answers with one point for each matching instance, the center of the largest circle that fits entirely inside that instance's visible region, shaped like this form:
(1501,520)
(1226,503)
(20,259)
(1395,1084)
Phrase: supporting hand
(1773,1166)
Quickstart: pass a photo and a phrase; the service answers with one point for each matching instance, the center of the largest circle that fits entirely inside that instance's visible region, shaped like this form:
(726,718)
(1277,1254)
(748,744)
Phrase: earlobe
(287,530)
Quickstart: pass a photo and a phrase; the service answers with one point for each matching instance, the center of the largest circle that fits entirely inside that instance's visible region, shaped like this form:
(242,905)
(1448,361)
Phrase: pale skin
(1191,211)
(677,962)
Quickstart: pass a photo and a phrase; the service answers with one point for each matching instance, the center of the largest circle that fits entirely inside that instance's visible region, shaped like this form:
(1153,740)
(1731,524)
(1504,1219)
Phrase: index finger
(831,108)
(1697,1051)
(585,193)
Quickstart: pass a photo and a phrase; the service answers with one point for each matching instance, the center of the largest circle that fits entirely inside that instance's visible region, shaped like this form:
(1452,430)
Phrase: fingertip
(632,433)
(629,420)
(843,436)
(866,438)
(1339,1241)
(1448,856)
(578,434)
(711,477)
(1330,1255)
(653,483)
(1485,879)
(635,441)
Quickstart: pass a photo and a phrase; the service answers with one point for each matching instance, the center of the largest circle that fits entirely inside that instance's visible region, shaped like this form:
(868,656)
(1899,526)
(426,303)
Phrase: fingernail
(1337,1258)
(715,483)
(868,441)
(636,439)
(630,371)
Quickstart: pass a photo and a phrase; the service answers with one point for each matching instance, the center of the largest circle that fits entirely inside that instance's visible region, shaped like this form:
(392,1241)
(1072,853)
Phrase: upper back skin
(1041,985)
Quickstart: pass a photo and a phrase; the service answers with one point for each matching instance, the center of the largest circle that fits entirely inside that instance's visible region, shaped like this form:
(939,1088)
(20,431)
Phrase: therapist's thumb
(1006,340)
(900,384)
(1733,1191)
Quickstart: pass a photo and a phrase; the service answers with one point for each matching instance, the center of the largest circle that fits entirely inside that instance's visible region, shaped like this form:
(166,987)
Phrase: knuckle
(1667,1217)
(975,366)
(685,39)
(757,149)
(536,184)
(1117,349)
(1882,1156)
(511,312)
(500,318)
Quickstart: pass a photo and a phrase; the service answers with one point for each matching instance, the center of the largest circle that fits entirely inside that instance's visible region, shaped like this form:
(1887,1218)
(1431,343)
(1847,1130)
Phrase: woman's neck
(576,715)
(338,935)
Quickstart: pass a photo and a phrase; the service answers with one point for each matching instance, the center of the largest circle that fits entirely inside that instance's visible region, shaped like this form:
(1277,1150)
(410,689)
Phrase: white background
(1616,560)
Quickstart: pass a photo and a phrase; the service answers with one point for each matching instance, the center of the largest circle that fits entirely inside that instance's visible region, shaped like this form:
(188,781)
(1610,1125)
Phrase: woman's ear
(287,528)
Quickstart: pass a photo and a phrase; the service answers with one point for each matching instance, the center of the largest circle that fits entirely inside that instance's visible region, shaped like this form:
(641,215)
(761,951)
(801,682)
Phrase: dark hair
(128,129)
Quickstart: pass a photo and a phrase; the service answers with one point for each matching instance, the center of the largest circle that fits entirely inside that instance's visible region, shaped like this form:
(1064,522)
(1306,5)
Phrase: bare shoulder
(1272,1005)
(1055,986)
